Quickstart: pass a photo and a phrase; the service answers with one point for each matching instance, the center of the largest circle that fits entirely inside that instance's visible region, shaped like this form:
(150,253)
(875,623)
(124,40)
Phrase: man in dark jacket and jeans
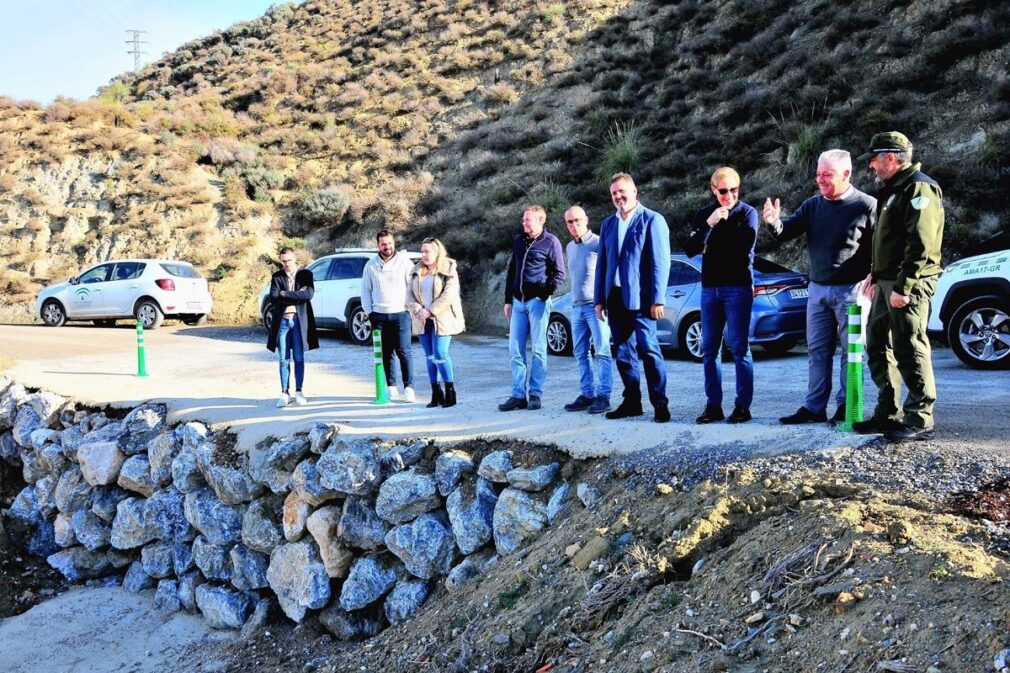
(292,325)
(535,271)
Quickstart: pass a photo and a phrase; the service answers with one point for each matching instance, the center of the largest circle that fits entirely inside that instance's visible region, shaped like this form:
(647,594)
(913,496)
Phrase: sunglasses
(730,190)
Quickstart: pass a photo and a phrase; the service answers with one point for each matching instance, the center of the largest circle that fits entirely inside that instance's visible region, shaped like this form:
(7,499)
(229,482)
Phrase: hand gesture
(601,313)
(719,214)
(507,311)
(772,211)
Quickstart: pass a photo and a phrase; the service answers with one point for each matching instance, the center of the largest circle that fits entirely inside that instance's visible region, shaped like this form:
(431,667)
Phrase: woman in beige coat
(436,314)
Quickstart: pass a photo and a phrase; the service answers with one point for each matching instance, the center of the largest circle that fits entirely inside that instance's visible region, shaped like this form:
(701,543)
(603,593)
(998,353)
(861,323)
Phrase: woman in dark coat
(293,326)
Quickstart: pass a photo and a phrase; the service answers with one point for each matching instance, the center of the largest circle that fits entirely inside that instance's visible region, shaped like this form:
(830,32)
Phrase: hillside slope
(321,122)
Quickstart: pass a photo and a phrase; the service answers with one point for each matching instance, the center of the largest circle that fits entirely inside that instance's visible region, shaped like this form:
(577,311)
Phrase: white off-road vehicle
(971,310)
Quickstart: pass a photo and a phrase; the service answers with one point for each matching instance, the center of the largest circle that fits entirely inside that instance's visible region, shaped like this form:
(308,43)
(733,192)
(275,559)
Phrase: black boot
(450,395)
(436,396)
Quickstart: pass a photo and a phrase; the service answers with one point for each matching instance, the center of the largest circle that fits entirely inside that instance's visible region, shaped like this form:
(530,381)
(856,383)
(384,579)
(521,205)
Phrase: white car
(971,310)
(336,302)
(145,289)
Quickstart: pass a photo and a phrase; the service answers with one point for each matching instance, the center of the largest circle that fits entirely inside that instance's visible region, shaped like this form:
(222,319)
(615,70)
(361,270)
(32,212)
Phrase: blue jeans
(586,325)
(827,321)
(436,352)
(635,339)
(729,309)
(395,328)
(529,323)
(290,347)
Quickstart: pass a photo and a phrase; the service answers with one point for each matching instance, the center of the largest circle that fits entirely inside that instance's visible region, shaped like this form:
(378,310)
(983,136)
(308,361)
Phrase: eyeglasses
(576,221)
(729,190)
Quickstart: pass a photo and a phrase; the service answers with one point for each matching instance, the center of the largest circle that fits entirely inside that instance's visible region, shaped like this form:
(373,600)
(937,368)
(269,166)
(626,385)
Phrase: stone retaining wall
(359,531)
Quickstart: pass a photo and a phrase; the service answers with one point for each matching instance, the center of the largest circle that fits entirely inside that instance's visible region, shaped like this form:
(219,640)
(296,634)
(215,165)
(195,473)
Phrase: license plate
(199,304)
(801,293)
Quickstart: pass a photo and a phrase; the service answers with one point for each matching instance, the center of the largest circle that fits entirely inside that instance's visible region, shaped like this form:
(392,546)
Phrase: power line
(136,42)
(107,12)
(94,24)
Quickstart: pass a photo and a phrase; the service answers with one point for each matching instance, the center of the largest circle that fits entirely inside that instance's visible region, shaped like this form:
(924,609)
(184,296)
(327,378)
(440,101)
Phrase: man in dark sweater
(536,270)
(724,233)
(838,224)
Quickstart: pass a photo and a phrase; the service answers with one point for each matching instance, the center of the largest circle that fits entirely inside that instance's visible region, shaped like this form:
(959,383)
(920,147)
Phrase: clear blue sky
(51,48)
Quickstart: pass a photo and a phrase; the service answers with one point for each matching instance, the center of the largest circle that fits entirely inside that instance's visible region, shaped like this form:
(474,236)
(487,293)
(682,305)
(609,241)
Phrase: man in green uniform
(903,274)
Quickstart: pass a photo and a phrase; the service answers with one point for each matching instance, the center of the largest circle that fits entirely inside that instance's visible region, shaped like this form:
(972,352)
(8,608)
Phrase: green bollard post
(854,371)
(141,360)
(381,394)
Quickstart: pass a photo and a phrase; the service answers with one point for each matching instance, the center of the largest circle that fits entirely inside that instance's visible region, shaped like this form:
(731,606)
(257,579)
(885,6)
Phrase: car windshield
(180,270)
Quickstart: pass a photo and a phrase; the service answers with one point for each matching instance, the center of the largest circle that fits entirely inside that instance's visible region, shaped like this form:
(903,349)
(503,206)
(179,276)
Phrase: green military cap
(892,141)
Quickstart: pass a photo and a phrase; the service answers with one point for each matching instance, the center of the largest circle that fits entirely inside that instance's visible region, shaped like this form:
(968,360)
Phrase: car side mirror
(74,280)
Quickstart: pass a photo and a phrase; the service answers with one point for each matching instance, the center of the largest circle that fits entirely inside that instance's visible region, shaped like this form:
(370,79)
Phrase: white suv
(336,302)
(971,310)
(145,289)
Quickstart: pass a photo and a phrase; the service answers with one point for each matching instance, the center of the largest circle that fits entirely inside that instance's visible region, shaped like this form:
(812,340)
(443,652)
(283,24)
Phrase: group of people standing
(886,248)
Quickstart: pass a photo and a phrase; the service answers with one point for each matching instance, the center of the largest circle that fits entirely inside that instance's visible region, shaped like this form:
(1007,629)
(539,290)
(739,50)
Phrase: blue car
(778,319)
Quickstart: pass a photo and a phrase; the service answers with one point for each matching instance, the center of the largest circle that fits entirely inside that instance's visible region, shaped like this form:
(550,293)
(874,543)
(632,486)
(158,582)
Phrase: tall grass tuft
(622,150)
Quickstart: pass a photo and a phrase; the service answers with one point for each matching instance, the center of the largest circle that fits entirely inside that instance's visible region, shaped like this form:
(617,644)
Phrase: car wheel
(690,337)
(53,313)
(195,320)
(359,326)
(979,333)
(148,314)
(267,316)
(559,336)
(780,347)
(104,323)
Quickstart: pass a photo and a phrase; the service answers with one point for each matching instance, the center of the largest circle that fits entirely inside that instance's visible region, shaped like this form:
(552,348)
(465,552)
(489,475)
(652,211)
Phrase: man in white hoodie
(384,298)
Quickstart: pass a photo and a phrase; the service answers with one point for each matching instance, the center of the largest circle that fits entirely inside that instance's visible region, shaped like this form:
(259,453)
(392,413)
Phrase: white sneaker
(408,395)
(283,400)
(300,400)
(394,393)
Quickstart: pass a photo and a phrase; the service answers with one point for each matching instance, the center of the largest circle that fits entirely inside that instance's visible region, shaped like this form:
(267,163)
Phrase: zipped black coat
(300,297)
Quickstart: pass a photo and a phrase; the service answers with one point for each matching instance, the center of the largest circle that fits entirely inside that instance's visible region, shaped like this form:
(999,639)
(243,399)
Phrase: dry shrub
(501,93)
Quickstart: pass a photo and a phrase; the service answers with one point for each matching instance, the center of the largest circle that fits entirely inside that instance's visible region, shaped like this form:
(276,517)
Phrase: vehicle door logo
(82,296)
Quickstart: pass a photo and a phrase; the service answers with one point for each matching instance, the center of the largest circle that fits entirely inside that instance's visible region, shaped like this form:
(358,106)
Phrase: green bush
(622,150)
(324,206)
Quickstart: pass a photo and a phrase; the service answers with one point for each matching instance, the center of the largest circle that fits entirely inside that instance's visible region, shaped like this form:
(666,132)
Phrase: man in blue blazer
(632,270)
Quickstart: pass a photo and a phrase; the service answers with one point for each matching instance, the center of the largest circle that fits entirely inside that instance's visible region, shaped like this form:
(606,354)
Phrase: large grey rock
(141,426)
(323,525)
(589,495)
(120,559)
(31,466)
(320,435)
(100,462)
(187,589)
(349,467)
(136,579)
(42,437)
(258,620)
(78,563)
(182,558)
(496,466)
(305,481)
(90,530)
(248,568)
(161,451)
(70,439)
(272,464)
(220,523)
(25,423)
(129,528)
(533,479)
(212,559)
(45,489)
(25,507)
(517,518)
(158,559)
(559,502)
(227,472)
(135,475)
(406,495)
(43,540)
(10,401)
(405,599)
(450,468)
(299,579)
(471,567)
(63,531)
(10,452)
(47,407)
(224,608)
(472,517)
(371,578)
(261,524)
(360,526)
(426,545)
(166,516)
(296,515)
(50,454)
(105,500)
(348,626)
(166,596)
(396,458)
(191,434)
(72,492)
(186,475)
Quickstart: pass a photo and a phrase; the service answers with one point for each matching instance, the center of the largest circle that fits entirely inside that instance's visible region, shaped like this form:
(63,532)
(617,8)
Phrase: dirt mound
(806,572)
